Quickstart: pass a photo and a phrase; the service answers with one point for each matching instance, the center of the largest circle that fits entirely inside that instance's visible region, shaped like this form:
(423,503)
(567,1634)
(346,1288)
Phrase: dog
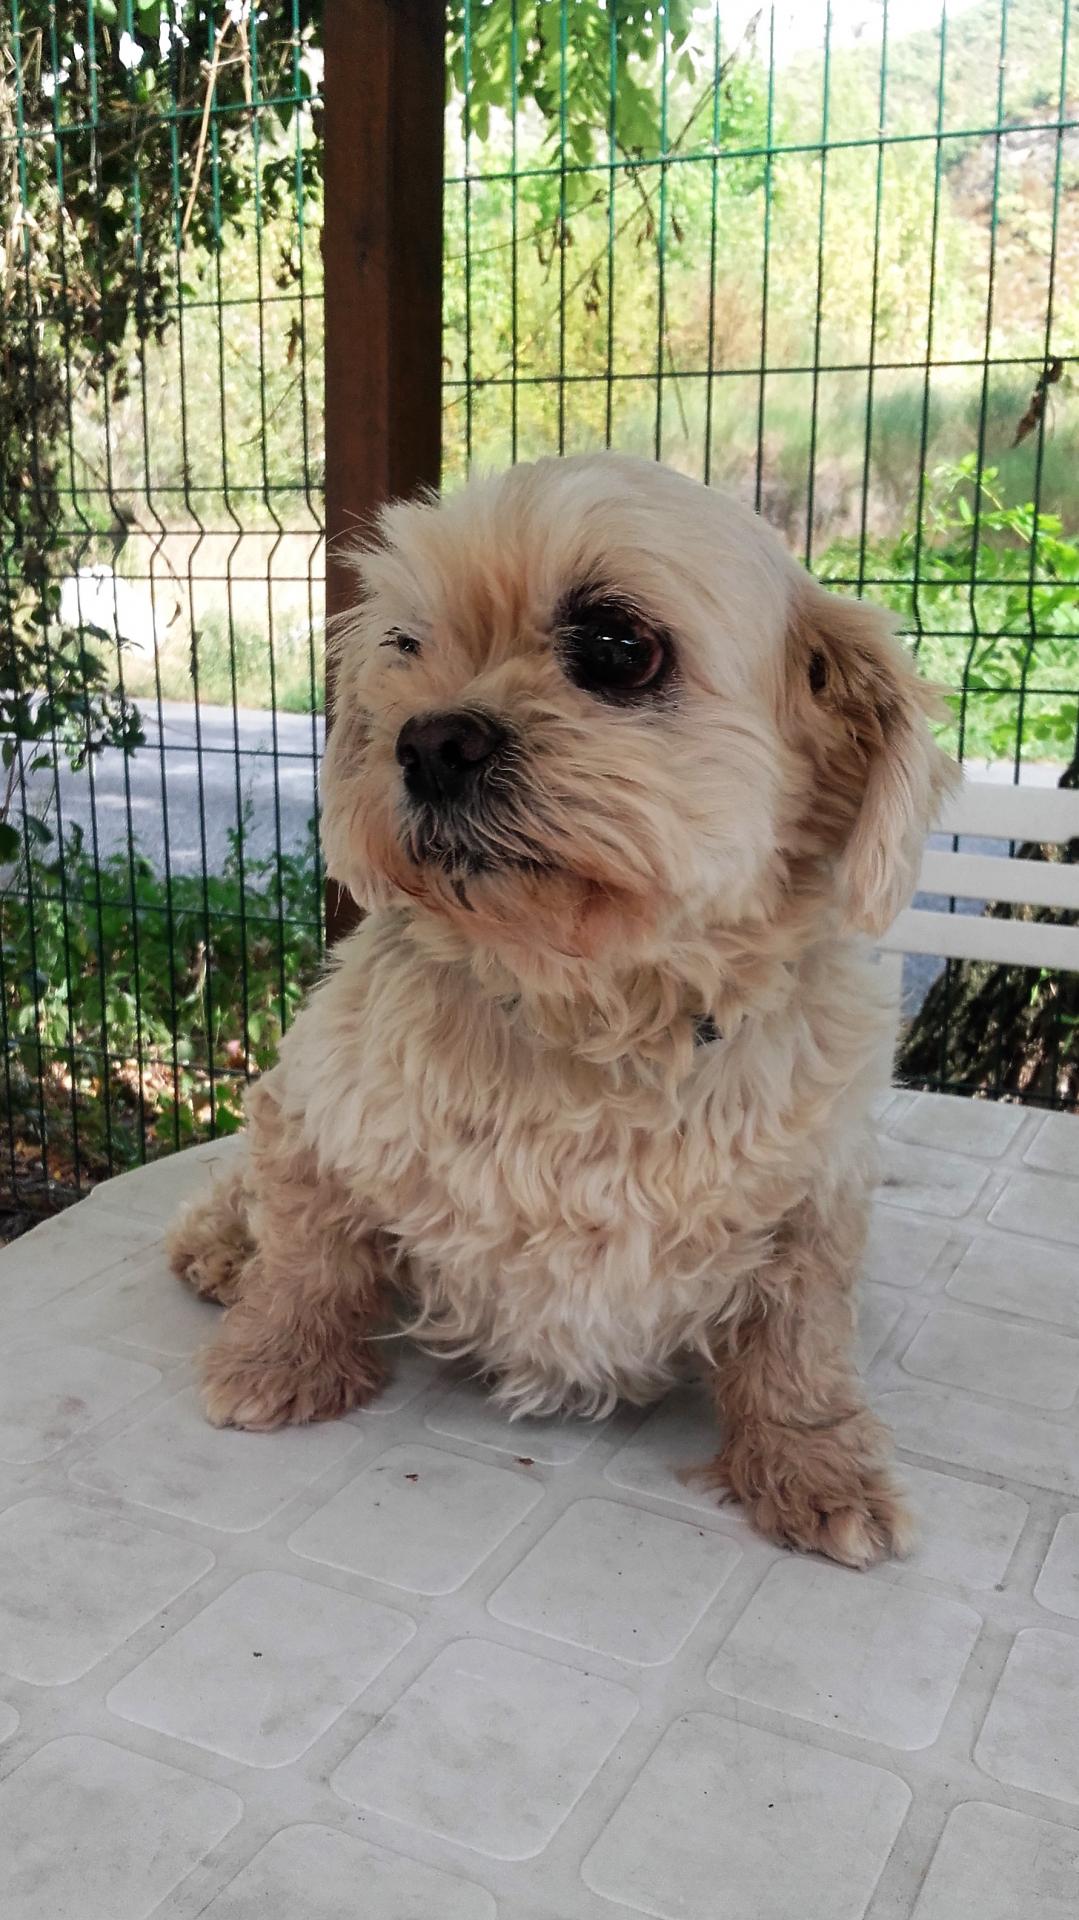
(586,1097)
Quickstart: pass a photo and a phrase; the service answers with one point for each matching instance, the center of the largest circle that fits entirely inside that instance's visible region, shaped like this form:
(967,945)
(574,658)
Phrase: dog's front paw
(247,1388)
(821,1490)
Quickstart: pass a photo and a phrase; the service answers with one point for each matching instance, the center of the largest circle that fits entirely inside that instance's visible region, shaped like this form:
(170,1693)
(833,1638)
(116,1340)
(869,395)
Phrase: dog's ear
(861,714)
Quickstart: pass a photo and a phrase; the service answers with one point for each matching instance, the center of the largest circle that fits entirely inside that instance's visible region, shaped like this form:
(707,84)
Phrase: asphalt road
(268,767)
(231,760)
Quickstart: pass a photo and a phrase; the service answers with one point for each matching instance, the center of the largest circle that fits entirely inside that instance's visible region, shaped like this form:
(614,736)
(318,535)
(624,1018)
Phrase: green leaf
(38,830)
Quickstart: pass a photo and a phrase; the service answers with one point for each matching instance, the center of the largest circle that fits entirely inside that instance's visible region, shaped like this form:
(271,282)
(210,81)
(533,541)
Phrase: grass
(234,665)
(895,419)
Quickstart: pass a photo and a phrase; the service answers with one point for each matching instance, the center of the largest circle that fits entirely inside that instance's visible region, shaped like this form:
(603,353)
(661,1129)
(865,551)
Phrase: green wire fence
(824,255)
(161,608)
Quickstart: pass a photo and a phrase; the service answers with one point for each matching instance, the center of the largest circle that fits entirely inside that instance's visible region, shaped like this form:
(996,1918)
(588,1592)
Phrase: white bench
(981,809)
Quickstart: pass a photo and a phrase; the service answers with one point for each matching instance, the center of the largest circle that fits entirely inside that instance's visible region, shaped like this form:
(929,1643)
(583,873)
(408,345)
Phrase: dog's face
(591,706)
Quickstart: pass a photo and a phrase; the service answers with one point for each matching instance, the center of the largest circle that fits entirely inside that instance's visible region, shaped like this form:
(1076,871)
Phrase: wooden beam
(382,256)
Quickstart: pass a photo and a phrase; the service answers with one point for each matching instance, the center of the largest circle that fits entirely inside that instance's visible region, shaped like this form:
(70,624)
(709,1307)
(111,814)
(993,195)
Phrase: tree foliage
(595,73)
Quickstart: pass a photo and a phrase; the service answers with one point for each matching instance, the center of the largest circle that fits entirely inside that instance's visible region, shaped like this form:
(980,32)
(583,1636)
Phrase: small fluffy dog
(621,790)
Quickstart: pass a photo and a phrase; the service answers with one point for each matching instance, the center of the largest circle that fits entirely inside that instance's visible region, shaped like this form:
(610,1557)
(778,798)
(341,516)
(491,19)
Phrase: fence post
(382,257)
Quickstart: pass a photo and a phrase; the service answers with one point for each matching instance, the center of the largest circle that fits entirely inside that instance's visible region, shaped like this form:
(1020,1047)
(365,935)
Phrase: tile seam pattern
(923,1698)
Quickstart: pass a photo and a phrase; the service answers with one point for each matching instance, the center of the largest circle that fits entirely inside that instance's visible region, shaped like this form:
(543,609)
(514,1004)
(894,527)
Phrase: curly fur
(491,1121)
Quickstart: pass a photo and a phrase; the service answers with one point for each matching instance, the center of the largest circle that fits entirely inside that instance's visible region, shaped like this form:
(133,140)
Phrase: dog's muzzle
(468,811)
(444,755)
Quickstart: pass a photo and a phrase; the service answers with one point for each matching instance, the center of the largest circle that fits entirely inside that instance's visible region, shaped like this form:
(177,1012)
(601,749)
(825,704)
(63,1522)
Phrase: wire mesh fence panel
(826,256)
(161,597)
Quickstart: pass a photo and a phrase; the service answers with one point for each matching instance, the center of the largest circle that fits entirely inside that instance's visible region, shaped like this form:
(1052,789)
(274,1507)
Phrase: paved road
(235,756)
(231,754)
(234,763)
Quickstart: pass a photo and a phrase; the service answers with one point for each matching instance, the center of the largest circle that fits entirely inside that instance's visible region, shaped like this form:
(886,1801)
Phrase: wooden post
(385,95)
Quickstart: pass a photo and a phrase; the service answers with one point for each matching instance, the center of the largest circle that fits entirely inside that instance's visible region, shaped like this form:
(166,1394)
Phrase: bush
(135,1010)
(990,593)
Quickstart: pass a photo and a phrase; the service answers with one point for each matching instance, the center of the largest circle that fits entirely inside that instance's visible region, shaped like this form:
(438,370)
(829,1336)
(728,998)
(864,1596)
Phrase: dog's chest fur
(573,1226)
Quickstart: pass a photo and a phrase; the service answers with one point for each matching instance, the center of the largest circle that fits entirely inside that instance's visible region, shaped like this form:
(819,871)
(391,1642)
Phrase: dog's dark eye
(610,650)
(404,642)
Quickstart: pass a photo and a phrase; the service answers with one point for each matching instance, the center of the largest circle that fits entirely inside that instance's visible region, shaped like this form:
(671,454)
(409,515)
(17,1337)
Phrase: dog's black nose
(441,754)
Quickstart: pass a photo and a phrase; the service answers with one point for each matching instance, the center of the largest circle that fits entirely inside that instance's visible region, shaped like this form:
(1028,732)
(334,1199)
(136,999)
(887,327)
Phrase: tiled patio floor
(422,1665)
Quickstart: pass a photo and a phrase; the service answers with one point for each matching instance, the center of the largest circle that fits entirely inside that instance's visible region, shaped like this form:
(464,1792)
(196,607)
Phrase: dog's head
(591,706)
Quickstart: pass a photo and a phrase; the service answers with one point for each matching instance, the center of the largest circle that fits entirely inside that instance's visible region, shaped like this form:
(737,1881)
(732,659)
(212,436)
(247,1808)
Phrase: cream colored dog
(621,790)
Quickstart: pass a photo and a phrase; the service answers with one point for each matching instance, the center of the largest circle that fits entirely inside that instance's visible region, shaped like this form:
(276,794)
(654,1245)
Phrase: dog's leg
(209,1243)
(296,1345)
(801,1451)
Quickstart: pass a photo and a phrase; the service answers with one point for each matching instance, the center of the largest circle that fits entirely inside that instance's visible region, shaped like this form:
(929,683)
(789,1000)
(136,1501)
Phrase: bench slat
(981,876)
(967,936)
(1012,813)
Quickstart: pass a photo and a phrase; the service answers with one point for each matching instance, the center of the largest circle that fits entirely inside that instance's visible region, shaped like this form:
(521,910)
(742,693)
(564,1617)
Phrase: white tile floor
(423,1665)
